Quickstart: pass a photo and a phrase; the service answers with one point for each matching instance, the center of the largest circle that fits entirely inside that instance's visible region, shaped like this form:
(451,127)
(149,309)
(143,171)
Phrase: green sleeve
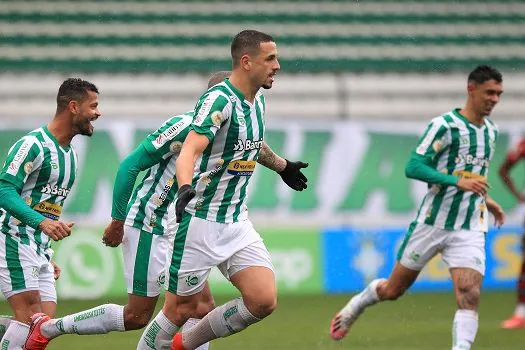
(127,173)
(420,168)
(11,201)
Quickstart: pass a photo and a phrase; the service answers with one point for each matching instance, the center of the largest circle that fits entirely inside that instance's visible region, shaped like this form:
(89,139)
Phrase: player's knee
(136,319)
(468,296)
(204,307)
(262,306)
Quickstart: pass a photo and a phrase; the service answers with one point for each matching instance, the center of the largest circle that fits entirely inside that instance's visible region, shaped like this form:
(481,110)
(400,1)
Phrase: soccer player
(517,320)
(453,157)
(140,226)
(35,181)
(216,163)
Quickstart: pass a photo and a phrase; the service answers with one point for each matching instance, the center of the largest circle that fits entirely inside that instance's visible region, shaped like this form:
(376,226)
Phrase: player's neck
(472,116)
(61,129)
(243,84)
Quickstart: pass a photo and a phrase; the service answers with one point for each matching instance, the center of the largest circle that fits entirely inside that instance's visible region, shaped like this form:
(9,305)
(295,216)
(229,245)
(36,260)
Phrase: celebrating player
(453,157)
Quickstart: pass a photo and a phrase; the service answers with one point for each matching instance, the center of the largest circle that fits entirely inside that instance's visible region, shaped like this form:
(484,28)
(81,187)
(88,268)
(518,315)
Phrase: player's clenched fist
(478,186)
(56,230)
(184,195)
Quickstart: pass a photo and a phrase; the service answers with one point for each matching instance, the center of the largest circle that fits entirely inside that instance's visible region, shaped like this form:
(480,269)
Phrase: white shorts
(22,269)
(144,261)
(199,245)
(459,249)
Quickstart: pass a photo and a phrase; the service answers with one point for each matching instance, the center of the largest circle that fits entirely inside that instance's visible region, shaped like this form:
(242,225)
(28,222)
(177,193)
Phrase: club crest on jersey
(241,120)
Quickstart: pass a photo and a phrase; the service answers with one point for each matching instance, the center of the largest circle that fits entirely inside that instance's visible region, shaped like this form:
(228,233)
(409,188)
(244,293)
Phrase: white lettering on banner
(78,279)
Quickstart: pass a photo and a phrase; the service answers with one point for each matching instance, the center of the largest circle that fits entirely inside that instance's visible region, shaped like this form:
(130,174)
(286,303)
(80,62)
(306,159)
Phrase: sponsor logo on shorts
(192,281)
(161,279)
(414,256)
(36,272)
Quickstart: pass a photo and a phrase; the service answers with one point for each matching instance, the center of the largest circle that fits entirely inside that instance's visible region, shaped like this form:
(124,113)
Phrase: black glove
(293,176)
(184,195)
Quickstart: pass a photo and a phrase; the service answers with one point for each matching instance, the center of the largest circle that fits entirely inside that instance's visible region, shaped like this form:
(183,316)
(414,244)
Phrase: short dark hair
(484,73)
(247,42)
(218,77)
(73,89)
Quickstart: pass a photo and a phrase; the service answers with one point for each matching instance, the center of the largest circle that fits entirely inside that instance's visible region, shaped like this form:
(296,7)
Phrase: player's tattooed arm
(270,159)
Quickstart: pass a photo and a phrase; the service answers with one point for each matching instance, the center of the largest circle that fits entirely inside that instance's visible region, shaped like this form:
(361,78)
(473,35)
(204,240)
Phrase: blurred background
(359,82)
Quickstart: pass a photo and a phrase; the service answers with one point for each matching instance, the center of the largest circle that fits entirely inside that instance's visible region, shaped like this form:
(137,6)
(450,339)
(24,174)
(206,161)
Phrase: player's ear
(246,62)
(471,86)
(74,106)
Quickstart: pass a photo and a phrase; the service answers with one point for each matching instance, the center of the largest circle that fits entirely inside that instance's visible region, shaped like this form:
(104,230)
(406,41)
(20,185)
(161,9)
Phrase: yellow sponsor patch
(241,167)
(467,174)
(49,210)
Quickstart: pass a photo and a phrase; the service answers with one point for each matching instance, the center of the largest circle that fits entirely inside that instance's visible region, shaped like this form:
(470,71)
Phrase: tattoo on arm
(269,159)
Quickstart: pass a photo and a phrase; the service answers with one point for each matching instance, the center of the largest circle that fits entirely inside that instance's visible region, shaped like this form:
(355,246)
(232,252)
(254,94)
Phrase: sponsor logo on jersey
(471,160)
(169,134)
(467,174)
(49,210)
(159,199)
(241,167)
(247,145)
(203,111)
(19,156)
(55,190)
(215,171)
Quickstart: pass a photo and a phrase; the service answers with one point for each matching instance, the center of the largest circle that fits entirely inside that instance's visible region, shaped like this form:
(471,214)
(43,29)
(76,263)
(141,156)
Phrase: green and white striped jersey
(461,148)
(45,173)
(235,128)
(148,208)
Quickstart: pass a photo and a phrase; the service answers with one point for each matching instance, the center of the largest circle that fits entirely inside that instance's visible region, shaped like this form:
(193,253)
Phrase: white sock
(4,324)
(520,310)
(222,321)
(464,329)
(158,334)
(359,302)
(188,325)
(15,336)
(98,320)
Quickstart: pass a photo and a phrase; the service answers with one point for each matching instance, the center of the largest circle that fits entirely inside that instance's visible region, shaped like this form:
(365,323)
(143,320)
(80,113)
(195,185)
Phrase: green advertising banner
(356,173)
(91,270)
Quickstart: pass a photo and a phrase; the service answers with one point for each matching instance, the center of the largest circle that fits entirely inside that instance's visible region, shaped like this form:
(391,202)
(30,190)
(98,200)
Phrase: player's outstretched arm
(127,174)
(289,171)
(192,149)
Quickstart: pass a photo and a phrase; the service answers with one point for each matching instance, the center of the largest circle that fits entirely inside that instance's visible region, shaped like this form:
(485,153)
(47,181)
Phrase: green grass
(416,321)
